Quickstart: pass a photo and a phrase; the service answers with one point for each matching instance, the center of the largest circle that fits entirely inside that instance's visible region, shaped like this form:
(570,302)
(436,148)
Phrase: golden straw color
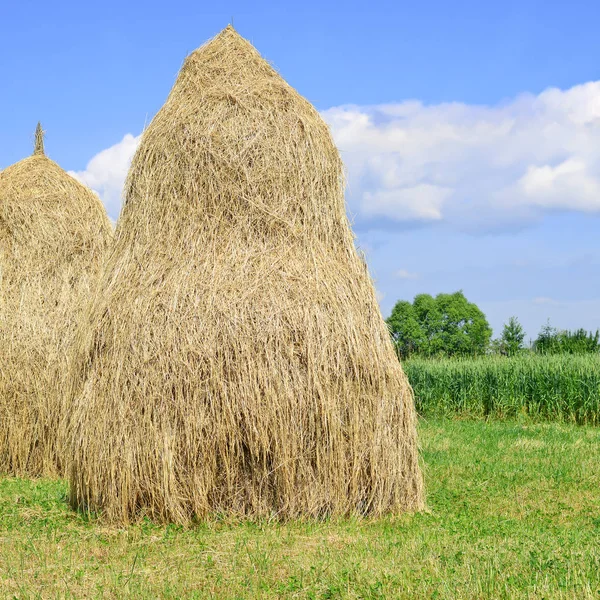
(235,361)
(54,234)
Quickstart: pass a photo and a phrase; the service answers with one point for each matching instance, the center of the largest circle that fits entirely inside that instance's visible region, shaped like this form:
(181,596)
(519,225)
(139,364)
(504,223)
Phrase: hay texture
(236,361)
(54,234)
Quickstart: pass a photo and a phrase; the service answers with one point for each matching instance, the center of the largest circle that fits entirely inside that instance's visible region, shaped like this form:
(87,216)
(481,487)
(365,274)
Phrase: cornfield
(558,388)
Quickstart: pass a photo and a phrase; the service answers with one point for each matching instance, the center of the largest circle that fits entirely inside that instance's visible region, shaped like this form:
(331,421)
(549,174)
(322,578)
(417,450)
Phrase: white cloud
(422,202)
(404,274)
(472,166)
(545,300)
(569,185)
(106,172)
(469,167)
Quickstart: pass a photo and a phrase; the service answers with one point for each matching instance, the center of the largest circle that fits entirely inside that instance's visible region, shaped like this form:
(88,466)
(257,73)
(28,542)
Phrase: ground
(514,512)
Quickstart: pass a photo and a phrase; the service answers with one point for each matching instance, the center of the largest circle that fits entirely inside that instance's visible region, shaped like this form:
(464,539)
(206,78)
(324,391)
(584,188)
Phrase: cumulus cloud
(472,167)
(463,166)
(106,172)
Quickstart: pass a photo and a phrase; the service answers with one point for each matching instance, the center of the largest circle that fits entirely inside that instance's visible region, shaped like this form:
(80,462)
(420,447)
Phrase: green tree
(445,325)
(579,341)
(513,335)
(552,341)
(406,331)
(547,341)
(428,316)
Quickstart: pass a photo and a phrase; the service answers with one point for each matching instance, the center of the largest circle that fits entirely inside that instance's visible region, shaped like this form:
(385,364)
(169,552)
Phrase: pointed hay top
(38,149)
(227,62)
(226,38)
(229,31)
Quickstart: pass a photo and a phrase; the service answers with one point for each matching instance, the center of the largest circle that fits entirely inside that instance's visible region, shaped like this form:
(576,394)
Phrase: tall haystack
(236,361)
(54,234)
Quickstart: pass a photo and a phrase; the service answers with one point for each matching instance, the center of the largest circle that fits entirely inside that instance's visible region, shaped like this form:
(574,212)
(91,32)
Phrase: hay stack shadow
(236,360)
(54,234)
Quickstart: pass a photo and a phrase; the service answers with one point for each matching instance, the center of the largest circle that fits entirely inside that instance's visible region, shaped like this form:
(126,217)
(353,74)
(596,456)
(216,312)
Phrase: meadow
(513,512)
(563,387)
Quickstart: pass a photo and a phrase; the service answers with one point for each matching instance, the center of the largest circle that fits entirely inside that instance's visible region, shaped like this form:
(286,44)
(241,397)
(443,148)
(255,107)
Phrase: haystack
(54,234)
(236,361)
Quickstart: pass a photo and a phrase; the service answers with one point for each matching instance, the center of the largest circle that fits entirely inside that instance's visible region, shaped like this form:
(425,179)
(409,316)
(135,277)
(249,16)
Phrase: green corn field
(559,388)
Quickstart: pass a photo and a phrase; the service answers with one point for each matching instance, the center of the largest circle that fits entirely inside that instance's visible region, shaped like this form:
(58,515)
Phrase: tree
(405,329)
(513,334)
(552,341)
(427,314)
(445,325)
(579,342)
(464,329)
(547,341)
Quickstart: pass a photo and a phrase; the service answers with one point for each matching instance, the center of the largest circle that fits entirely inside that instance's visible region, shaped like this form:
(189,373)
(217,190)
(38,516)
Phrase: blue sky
(470,130)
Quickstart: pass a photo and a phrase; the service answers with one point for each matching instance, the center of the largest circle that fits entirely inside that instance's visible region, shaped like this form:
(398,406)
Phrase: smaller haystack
(54,233)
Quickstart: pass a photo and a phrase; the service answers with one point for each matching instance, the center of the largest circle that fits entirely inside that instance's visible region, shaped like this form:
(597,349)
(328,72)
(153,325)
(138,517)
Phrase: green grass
(560,388)
(514,513)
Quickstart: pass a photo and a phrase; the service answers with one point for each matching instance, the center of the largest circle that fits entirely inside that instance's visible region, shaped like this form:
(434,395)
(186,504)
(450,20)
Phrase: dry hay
(236,361)
(54,234)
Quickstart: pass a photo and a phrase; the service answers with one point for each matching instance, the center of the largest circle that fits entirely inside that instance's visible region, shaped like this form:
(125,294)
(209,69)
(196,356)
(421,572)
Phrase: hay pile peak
(236,360)
(38,149)
(54,234)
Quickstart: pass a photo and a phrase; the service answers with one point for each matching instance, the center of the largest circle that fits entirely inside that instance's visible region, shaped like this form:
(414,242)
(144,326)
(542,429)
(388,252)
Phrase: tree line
(450,325)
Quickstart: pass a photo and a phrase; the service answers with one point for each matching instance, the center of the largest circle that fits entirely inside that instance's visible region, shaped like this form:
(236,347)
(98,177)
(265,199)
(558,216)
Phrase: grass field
(560,388)
(514,512)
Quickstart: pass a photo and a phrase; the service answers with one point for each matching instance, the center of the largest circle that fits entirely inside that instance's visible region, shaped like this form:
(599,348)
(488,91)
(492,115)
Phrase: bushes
(553,341)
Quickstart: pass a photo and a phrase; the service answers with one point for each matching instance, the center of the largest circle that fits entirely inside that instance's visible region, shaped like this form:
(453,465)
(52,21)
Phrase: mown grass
(514,512)
(562,388)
